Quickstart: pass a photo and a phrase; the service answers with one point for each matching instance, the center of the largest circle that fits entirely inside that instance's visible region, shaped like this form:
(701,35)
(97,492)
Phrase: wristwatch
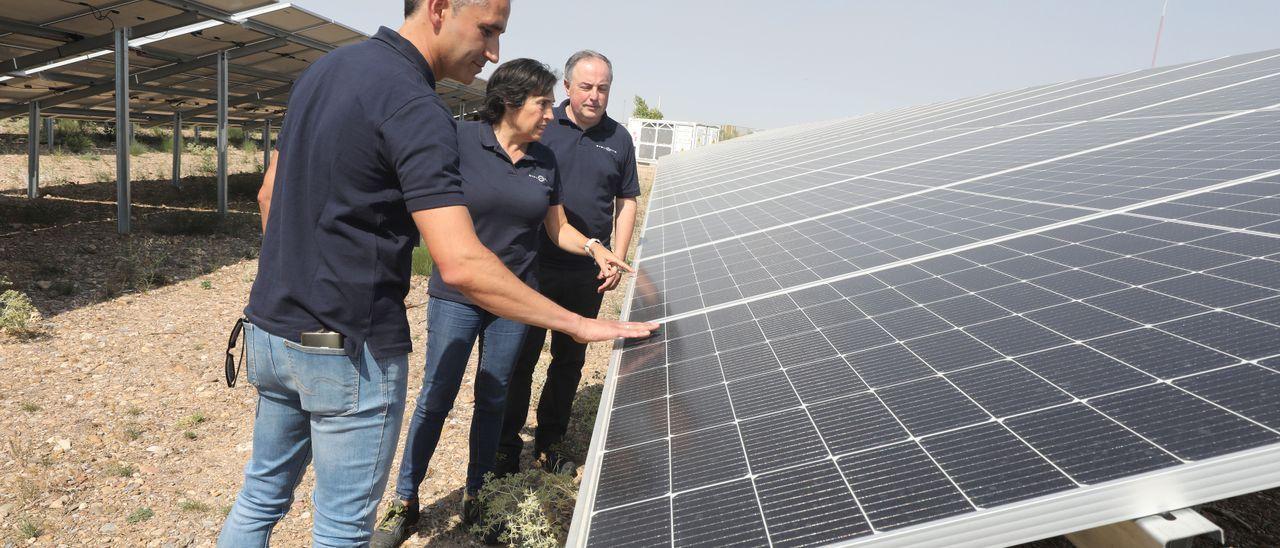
(587,247)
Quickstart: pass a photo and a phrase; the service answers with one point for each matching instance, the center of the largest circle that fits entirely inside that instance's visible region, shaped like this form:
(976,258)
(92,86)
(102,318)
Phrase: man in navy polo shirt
(599,188)
(367,163)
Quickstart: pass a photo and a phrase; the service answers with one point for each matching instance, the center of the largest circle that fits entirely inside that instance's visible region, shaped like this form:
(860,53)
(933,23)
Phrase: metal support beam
(11,25)
(254,97)
(86,45)
(33,151)
(109,114)
(222,132)
(123,126)
(48,133)
(194,94)
(177,149)
(266,144)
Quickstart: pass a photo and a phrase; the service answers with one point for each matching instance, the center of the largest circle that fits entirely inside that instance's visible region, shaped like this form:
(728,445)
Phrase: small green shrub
(76,143)
(192,420)
(18,317)
(29,529)
(422,263)
(208,165)
(250,146)
(535,507)
(67,126)
(29,407)
(139,515)
(141,266)
(120,470)
(235,136)
(138,149)
(194,506)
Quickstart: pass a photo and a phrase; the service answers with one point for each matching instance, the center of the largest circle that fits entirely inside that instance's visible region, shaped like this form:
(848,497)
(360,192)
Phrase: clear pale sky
(770,64)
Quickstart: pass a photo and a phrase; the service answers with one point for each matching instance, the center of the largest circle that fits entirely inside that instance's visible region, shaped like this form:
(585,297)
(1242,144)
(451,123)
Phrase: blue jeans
(452,329)
(317,405)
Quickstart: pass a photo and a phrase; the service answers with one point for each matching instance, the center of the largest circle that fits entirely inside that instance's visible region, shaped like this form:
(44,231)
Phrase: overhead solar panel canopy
(975,323)
(176,62)
(59,53)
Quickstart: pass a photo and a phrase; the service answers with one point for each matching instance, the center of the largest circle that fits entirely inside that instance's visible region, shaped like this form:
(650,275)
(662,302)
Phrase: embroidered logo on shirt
(540,178)
(611,151)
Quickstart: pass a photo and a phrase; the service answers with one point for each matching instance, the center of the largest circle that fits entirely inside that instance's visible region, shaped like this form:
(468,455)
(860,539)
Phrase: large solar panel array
(980,322)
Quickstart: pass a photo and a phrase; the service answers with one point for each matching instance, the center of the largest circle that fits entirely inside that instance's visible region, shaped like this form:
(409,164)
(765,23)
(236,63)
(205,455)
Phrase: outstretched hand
(593,330)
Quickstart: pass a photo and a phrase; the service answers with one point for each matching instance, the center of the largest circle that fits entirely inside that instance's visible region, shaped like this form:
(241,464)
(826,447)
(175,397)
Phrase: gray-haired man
(598,171)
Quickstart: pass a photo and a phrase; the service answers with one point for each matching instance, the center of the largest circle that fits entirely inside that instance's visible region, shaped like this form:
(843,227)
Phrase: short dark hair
(411,6)
(513,82)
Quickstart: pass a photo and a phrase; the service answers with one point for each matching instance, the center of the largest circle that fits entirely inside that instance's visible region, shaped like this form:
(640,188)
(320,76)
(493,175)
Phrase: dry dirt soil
(115,425)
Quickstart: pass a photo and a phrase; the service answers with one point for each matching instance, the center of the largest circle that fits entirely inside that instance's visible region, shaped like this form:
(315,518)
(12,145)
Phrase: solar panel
(980,322)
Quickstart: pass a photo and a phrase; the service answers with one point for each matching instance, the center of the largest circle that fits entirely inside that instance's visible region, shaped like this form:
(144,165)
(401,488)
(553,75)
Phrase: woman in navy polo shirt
(512,187)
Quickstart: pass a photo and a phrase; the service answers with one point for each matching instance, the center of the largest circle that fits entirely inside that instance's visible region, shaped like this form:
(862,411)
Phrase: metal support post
(122,130)
(266,144)
(196,129)
(222,132)
(177,149)
(33,150)
(48,133)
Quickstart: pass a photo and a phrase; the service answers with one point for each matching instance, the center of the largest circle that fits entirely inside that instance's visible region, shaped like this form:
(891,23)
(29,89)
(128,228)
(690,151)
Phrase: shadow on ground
(64,252)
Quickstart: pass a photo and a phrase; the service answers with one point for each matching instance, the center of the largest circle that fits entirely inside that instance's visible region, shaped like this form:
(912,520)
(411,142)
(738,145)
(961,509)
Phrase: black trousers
(576,291)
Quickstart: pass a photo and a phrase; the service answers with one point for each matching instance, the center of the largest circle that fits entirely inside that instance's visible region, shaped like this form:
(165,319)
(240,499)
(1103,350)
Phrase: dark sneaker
(506,464)
(473,517)
(400,523)
(557,463)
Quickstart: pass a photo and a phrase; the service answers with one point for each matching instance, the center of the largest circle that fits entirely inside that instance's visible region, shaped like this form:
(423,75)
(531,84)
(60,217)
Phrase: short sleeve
(629,183)
(420,141)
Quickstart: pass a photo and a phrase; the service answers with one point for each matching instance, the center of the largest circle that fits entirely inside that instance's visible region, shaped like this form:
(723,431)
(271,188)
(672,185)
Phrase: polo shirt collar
(408,50)
(489,140)
(562,117)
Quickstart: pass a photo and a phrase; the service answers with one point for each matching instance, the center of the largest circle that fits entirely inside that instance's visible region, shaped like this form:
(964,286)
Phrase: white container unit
(657,138)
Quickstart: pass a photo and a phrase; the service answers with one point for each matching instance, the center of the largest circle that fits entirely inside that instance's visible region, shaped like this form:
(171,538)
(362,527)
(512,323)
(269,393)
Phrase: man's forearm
(624,223)
(268,187)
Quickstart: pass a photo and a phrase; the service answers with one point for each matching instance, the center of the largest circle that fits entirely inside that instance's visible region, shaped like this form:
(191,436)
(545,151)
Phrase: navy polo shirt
(597,166)
(508,201)
(366,142)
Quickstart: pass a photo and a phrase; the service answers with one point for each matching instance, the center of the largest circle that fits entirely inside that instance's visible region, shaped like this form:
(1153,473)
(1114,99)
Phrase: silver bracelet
(587,247)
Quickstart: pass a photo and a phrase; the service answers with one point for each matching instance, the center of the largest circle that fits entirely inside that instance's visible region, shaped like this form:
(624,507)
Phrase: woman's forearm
(564,234)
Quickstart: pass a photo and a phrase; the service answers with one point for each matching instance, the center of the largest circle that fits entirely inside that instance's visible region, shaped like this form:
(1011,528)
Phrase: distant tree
(728,132)
(642,110)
